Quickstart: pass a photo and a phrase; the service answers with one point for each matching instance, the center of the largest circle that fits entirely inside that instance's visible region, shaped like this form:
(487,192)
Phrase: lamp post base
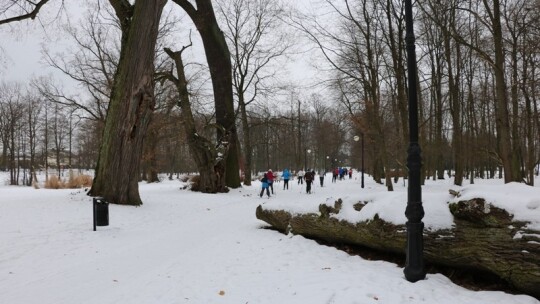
(414,267)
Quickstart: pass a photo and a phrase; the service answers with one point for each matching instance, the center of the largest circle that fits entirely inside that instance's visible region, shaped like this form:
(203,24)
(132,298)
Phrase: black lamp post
(326,169)
(414,267)
(356,138)
(306,151)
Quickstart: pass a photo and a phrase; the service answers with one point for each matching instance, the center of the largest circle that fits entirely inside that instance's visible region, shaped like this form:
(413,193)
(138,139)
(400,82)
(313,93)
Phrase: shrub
(54,182)
(79,181)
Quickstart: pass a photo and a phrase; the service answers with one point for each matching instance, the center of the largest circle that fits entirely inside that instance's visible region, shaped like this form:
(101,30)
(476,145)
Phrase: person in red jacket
(335,174)
(270,177)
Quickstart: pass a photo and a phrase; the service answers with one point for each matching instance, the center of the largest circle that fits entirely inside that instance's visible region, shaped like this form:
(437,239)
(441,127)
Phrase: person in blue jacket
(286,175)
(265,185)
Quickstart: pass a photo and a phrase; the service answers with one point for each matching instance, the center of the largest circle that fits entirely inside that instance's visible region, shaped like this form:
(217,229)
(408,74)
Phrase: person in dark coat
(308,177)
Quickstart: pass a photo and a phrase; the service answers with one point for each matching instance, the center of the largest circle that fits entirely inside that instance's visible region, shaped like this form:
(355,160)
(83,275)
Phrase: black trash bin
(101,212)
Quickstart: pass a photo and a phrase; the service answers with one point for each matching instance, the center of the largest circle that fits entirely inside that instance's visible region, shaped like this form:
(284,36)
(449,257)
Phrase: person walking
(264,184)
(301,177)
(309,179)
(335,175)
(321,177)
(270,176)
(286,175)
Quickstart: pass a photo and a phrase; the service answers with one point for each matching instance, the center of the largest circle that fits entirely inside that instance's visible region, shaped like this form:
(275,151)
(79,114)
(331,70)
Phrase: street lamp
(325,169)
(356,138)
(414,266)
(306,151)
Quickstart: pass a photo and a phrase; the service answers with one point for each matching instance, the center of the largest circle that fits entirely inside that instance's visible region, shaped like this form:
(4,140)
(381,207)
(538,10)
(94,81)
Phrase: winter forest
(212,87)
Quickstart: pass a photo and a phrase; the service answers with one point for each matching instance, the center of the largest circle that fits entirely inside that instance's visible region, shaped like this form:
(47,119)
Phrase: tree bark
(483,238)
(509,161)
(202,150)
(28,10)
(248,148)
(131,105)
(219,62)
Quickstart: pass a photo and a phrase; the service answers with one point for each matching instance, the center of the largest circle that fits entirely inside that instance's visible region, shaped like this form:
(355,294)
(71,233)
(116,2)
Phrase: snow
(185,247)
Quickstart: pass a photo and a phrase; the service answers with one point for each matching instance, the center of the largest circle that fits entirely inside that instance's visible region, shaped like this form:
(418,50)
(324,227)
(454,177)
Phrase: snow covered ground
(185,247)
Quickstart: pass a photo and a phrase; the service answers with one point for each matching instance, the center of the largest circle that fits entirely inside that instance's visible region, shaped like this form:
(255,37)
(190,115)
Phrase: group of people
(341,172)
(268,178)
(267,183)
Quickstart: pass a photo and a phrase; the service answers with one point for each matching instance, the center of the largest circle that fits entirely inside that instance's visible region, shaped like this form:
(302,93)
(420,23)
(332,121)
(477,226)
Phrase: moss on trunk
(131,104)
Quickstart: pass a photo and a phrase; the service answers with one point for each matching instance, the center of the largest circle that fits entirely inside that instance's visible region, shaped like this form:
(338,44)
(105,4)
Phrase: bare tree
(59,128)
(252,30)
(34,107)
(219,62)
(92,63)
(355,52)
(489,17)
(13,11)
(131,104)
(204,153)
(11,120)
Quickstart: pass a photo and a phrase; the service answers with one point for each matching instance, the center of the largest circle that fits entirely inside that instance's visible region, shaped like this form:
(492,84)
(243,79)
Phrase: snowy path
(184,247)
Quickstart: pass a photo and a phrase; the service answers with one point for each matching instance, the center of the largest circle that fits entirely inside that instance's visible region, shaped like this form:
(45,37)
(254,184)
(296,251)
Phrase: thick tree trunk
(131,105)
(248,149)
(483,238)
(454,64)
(219,63)
(510,162)
(201,149)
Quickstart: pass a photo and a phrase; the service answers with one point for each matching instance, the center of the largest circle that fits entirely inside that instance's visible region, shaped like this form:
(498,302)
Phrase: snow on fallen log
(483,237)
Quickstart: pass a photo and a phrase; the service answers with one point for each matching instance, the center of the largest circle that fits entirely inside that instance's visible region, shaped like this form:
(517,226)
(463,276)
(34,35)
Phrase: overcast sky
(21,43)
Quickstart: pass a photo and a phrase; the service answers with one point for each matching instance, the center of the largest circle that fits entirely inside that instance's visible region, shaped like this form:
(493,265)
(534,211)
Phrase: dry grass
(78,181)
(54,182)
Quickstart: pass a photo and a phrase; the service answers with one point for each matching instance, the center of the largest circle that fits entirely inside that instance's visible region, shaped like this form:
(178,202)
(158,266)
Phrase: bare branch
(28,14)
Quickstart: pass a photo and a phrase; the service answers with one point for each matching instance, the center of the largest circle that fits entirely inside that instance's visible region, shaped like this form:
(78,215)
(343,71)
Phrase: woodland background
(478,84)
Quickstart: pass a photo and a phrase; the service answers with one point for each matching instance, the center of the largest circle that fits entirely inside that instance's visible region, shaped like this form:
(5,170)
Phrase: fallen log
(483,237)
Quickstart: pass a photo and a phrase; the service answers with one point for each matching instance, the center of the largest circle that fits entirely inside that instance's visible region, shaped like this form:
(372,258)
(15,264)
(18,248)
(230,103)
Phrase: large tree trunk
(483,238)
(248,149)
(219,62)
(510,162)
(454,64)
(201,149)
(131,105)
